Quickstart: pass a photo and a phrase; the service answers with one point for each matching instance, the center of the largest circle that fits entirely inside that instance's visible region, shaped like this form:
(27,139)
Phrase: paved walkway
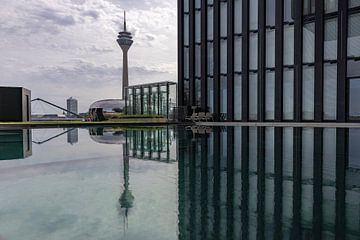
(281,124)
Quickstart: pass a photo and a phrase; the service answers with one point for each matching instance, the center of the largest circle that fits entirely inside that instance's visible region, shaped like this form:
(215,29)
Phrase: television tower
(125,41)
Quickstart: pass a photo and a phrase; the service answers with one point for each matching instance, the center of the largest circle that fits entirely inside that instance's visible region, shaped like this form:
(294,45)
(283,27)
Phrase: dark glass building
(270,60)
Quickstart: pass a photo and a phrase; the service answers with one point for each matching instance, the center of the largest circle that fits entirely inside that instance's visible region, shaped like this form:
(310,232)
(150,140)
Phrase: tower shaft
(125,73)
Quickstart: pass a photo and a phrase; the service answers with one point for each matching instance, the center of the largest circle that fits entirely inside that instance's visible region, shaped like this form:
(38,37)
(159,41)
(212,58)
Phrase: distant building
(72,106)
(15,104)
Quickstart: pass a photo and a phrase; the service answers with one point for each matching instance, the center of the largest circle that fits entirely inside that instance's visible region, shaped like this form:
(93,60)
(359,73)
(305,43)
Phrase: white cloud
(63,48)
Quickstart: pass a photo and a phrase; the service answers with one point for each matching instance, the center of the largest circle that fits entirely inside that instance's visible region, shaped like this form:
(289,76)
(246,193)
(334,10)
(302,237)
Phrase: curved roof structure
(109,105)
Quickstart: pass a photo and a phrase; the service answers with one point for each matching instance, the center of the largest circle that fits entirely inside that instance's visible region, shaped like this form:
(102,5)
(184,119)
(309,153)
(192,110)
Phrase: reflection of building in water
(152,144)
(107,135)
(15,144)
(73,136)
(270,183)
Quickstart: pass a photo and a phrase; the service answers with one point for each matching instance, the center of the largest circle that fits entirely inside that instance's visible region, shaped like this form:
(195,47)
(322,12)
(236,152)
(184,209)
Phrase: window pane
(270,12)
(354,99)
(223,94)
(210,57)
(253,14)
(237,57)
(309,43)
(237,97)
(308,93)
(270,95)
(288,13)
(223,56)
(253,93)
(197,26)
(186,30)
(354,3)
(270,48)
(331,6)
(354,36)
(210,94)
(197,60)
(223,19)
(186,62)
(288,94)
(238,16)
(353,68)
(288,45)
(309,7)
(330,44)
(197,3)
(330,91)
(197,91)
(210,23)
(186,5)
(253,63)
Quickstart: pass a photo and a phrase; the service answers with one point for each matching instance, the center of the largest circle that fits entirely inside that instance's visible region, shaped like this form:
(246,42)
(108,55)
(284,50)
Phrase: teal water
(177,183)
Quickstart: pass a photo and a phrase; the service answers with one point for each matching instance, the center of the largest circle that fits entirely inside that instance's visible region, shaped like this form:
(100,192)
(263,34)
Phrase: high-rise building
(270,60)
(72,107)
(125,41)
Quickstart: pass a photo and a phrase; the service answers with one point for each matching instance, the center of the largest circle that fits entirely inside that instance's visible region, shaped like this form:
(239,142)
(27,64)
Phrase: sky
(67,48)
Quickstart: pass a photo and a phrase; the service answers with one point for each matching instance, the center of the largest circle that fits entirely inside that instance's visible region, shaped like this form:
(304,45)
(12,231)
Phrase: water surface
(173,183)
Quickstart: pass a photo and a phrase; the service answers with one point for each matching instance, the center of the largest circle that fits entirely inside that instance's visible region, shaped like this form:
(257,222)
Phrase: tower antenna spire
(124,21)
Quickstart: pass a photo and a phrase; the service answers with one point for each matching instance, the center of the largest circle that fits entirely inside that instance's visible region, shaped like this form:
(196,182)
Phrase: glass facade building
(153,99)
(270,60)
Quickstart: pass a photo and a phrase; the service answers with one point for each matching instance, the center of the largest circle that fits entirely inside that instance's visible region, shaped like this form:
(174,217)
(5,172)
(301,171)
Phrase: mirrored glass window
(270,95)
(223,56)
(354,36)
(237,96)
(238,16)
(253,14)
(253,53)
(330,91)
(309,43)
(354,3)
(210,23)
(223,19)
(237,54)
(330,37)
(223,94)
(253,96)
(289,45)
(288,11)
(288,94)
(197,26)
(331,6)
(210,94)
(354,99)
(308,92)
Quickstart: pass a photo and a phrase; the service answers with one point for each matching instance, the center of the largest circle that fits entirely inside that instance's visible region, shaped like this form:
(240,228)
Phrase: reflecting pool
(180,183)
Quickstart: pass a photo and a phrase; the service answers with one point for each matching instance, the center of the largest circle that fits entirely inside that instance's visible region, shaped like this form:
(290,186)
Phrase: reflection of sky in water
(66,191)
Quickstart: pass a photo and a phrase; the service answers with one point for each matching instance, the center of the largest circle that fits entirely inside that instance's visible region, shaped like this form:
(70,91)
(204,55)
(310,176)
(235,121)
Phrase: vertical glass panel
(330,37)
(210,94)
(270,95)
(253,96)
(223,56)
(354,99)
(309,43)
(270,12)
(210,23)
(197,60)
(186,29)
(354,36)
(288,11)
(308,93)
(186,5)
(237,54)
(288,153)
(197,91)
(237,96)
(288,94)
(307,174)
(253,14)
(223,19)
(223,94)
(288,45)
(270,48)
(210,57)
(353,68)
(309,7)
(354,3)
(197,26)
(197,4)
(253,54)
(238,16)
(331,6)
(186,62)
(330,91)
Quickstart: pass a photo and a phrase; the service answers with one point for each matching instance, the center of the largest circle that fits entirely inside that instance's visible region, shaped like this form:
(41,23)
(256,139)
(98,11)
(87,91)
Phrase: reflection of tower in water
(126,199)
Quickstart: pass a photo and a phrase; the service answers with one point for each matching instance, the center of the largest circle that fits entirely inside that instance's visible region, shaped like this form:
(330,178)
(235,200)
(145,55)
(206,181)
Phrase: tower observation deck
(125,41)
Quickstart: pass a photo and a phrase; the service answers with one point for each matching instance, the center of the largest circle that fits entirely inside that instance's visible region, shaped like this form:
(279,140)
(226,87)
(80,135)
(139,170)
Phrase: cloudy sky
(63,48)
